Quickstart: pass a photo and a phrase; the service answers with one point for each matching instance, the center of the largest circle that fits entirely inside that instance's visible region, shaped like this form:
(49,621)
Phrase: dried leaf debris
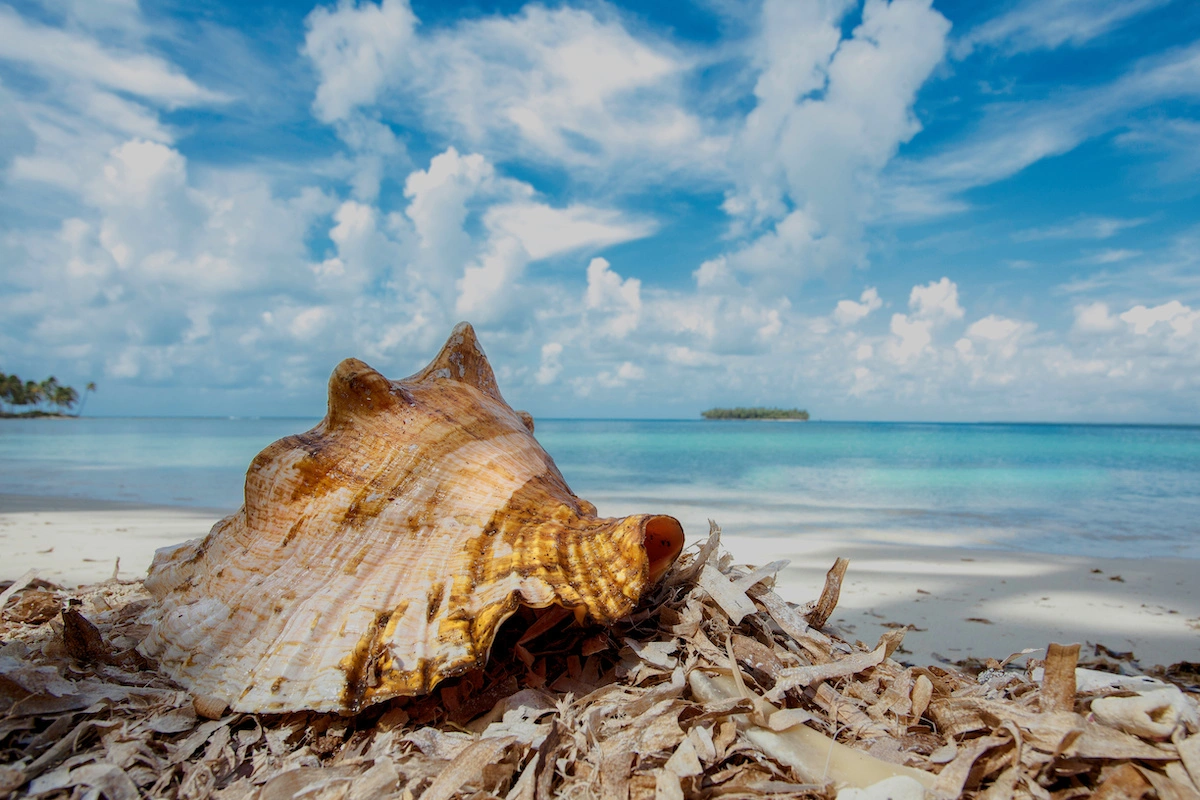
(714,688)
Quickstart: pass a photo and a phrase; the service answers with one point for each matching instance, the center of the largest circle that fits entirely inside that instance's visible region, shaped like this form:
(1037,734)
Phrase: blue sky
(905,210)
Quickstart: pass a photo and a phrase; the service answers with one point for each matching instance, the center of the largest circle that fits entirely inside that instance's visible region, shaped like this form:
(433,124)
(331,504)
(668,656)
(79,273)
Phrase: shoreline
(75,540)
(964,603)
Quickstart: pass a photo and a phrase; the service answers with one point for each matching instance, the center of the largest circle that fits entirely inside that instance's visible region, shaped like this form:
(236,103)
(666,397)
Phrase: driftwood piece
(1058,685)
(829,595)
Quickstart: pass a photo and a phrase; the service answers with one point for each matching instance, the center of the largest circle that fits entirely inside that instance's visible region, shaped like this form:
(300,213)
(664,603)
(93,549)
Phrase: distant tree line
(18,394)
(754,413)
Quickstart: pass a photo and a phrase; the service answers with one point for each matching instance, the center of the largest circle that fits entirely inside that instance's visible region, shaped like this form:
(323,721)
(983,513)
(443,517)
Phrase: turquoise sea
(1079,489)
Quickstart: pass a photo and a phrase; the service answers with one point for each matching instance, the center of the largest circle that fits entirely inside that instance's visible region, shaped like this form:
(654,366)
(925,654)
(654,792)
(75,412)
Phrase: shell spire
(378,553)
(462,359)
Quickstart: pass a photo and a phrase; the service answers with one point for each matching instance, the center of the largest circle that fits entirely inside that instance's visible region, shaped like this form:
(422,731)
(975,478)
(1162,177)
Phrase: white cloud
(849,312)
(578,88)
(831,114)
(488,283)
(689,357)
(714,275)
(864,382)
(1112,256)
(564,85)
(1048,24)
(545,231)
(62,54)
(1013,135)
(308,323)
(1087,227)
(551,364)
(1094,318)
(936,300)
(1174,314)
(519,230)
(1176,139)
(138,172)
(913,337)
(994,328)
(1000,335)
(376,152)
(932,306)
(438,209)
(357,50)
(617,302)
(366,251)
(122,17)
(623,375)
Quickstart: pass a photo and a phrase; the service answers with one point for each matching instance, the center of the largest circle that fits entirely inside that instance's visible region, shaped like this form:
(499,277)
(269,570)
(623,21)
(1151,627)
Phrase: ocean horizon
(1094,489)
(697,418)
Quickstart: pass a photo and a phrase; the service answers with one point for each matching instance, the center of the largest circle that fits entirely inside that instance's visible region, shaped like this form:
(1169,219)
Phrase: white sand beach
(962,602)
(71,541)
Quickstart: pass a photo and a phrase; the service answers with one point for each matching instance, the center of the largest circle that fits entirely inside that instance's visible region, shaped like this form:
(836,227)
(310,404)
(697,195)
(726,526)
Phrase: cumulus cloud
(831,113)
(72,94)
(568,85)
(931,305)
(998,336)
(551,365)
(617,302)
(628,371)
(1181,319)
(912,338)
(849,312)
(1094,318)
(357,49)
(936,300)
(537,130)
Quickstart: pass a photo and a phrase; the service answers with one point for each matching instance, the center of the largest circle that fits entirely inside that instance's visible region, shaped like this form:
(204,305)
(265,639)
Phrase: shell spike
(461,359)
(356,389)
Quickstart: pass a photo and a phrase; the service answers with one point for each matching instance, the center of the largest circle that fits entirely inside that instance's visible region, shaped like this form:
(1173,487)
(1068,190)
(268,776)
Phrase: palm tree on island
(65,397)
(15,393)
(91,387)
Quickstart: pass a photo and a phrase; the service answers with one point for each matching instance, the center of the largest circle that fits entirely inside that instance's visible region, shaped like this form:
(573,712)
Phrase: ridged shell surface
(379,552)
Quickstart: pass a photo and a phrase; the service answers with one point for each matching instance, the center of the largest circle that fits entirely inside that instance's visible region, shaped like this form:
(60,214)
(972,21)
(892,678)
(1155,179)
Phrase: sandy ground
(990,604)
(72,541)
(962,602)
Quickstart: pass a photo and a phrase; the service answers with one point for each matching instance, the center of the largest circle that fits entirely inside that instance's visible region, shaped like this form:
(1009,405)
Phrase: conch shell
(378,553)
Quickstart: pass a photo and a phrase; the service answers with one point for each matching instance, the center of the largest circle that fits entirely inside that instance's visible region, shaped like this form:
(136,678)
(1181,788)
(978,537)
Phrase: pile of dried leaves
(715,688)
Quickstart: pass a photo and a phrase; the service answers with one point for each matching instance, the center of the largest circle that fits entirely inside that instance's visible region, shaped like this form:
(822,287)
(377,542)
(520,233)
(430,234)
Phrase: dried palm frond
(714,688)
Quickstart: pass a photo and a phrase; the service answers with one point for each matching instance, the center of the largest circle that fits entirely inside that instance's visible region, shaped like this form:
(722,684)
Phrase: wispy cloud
(1111,256)
(1049,24)
(1013,135)
(1177,140)
(62,54)
(1079,228)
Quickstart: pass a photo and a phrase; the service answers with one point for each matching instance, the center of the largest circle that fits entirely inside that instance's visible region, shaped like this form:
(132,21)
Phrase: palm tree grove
(48,398)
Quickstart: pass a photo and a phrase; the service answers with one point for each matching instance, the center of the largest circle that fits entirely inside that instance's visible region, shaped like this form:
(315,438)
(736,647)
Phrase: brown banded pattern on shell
(379,552)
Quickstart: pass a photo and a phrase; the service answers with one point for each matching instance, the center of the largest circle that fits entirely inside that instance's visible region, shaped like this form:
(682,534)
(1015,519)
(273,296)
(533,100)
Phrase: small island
(755,413)
(49,398)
